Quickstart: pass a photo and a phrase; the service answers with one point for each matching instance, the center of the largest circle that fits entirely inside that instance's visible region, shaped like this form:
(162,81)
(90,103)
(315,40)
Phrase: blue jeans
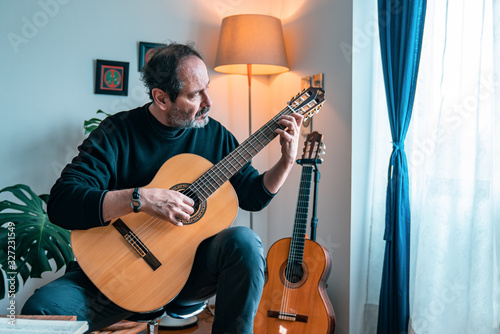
(230,264)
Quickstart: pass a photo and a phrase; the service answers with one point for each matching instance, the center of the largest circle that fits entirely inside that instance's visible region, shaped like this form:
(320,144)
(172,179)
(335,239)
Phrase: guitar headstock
(313,148)
(308,102)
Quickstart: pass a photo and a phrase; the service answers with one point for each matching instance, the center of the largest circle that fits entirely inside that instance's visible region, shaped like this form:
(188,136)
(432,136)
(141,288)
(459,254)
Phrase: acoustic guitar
(141,263)
(294,299)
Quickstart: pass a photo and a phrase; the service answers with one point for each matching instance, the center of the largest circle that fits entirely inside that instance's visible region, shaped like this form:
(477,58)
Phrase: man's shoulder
(127,116)
(122,119)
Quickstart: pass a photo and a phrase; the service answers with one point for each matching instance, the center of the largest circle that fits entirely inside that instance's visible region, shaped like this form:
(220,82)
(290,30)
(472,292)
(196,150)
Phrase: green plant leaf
(91,124)
(36,240)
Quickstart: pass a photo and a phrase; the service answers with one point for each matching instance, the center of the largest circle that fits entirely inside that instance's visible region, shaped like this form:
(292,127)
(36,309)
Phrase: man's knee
(42,302)
(246,247)
(33,307)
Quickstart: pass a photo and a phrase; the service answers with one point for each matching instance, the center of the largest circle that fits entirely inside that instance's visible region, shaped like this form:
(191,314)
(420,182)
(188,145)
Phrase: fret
(241,155)
(211,182)
(255,148)
(234,168)
(227,170)
(248,152)
(257,139)
(236,160)
(270,136)
(218,175)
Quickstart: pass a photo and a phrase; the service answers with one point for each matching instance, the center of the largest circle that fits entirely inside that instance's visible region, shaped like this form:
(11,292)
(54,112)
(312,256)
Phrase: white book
(36,326)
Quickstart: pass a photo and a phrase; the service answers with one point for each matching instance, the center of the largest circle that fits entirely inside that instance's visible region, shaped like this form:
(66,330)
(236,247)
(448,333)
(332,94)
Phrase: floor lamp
(251,44)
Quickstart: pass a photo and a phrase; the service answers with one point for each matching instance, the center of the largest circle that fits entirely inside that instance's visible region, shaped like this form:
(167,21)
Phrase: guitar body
(305,298)
(126,278)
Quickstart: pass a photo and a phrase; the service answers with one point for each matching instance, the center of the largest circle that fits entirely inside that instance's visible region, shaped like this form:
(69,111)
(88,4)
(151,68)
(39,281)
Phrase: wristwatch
(136,203)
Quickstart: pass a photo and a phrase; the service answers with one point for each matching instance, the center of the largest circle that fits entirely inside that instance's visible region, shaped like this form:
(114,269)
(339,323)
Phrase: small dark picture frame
(111,77)
(145,52)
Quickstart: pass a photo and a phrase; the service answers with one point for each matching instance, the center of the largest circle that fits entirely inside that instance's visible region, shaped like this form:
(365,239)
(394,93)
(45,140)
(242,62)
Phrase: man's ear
(161,98)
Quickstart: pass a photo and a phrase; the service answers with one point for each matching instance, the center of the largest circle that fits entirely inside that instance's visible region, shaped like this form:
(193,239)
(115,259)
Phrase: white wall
(46,91)
(362,49)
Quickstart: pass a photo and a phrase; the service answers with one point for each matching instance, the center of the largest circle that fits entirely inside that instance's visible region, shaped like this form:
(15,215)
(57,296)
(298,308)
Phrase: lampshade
(251,39)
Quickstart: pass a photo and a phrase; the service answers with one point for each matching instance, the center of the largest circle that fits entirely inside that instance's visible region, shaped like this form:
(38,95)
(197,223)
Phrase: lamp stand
(249,75)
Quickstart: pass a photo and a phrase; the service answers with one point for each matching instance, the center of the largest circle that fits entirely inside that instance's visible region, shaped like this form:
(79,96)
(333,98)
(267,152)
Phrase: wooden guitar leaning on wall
(141,263)
(294,300)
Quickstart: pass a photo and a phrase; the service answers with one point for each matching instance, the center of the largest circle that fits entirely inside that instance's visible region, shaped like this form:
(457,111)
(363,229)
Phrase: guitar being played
(151,195)
(294,300)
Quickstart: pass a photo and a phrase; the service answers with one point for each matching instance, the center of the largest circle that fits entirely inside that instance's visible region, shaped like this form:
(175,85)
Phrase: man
(124,154)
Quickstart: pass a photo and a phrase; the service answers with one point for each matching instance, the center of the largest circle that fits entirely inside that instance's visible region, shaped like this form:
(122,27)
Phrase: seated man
(123,154)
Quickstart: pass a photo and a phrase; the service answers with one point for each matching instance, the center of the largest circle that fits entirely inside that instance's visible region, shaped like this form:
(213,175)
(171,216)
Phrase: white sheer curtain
(453,150)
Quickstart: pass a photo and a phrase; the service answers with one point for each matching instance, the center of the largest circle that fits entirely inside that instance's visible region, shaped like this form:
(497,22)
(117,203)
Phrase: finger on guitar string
(168,205)
(290,126)
(289,135)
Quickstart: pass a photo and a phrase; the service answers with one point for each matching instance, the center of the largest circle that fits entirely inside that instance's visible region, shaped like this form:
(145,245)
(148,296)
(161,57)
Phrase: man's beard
(178,120)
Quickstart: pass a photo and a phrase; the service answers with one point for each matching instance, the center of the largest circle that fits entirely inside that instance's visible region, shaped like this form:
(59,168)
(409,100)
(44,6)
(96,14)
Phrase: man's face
(191,107)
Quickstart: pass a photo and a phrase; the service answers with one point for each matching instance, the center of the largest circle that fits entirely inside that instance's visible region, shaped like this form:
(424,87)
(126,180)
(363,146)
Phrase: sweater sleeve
(249,186)
(247,182)
(77,196)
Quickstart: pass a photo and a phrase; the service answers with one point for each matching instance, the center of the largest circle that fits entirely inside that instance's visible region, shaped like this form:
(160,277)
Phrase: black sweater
(126,151)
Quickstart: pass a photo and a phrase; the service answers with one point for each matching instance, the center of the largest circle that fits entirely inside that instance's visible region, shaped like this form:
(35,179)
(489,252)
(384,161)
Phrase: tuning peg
(321,149)
(297,95)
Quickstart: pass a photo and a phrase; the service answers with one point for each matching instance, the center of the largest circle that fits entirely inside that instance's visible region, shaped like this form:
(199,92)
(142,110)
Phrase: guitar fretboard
(296,254)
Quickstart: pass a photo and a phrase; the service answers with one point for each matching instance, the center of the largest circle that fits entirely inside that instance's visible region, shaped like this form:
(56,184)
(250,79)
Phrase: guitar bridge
(287,316)
(135,242)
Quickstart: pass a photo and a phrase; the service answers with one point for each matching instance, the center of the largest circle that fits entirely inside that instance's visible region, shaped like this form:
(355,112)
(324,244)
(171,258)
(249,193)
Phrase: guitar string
(294,267)
(294,271)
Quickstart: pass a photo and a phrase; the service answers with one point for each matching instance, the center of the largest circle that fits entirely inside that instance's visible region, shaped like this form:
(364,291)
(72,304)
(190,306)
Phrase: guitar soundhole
(199,207)
(293,275)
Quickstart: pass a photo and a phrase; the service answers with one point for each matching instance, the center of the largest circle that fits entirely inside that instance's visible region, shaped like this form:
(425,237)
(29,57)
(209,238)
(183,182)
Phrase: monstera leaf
(28,240)
(91,124)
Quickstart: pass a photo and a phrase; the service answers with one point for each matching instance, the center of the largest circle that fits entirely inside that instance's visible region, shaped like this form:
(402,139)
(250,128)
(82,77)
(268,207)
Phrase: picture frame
(111,77)
(145,52)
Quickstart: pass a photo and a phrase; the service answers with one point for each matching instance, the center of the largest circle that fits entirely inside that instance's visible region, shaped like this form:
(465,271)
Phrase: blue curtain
(401,24)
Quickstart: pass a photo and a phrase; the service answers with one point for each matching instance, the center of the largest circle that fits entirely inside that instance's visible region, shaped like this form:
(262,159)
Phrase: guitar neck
(299,228)
(216,176)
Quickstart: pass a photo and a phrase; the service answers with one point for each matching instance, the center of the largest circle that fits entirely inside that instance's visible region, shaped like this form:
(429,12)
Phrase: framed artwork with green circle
(111,77)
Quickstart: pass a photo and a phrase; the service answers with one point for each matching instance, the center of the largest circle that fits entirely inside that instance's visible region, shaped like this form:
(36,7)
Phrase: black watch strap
(136,203)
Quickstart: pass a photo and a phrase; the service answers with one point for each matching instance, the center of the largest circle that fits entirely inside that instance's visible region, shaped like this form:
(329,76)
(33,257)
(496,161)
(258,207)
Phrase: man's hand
(168,205)
(289,137)
(289,141)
